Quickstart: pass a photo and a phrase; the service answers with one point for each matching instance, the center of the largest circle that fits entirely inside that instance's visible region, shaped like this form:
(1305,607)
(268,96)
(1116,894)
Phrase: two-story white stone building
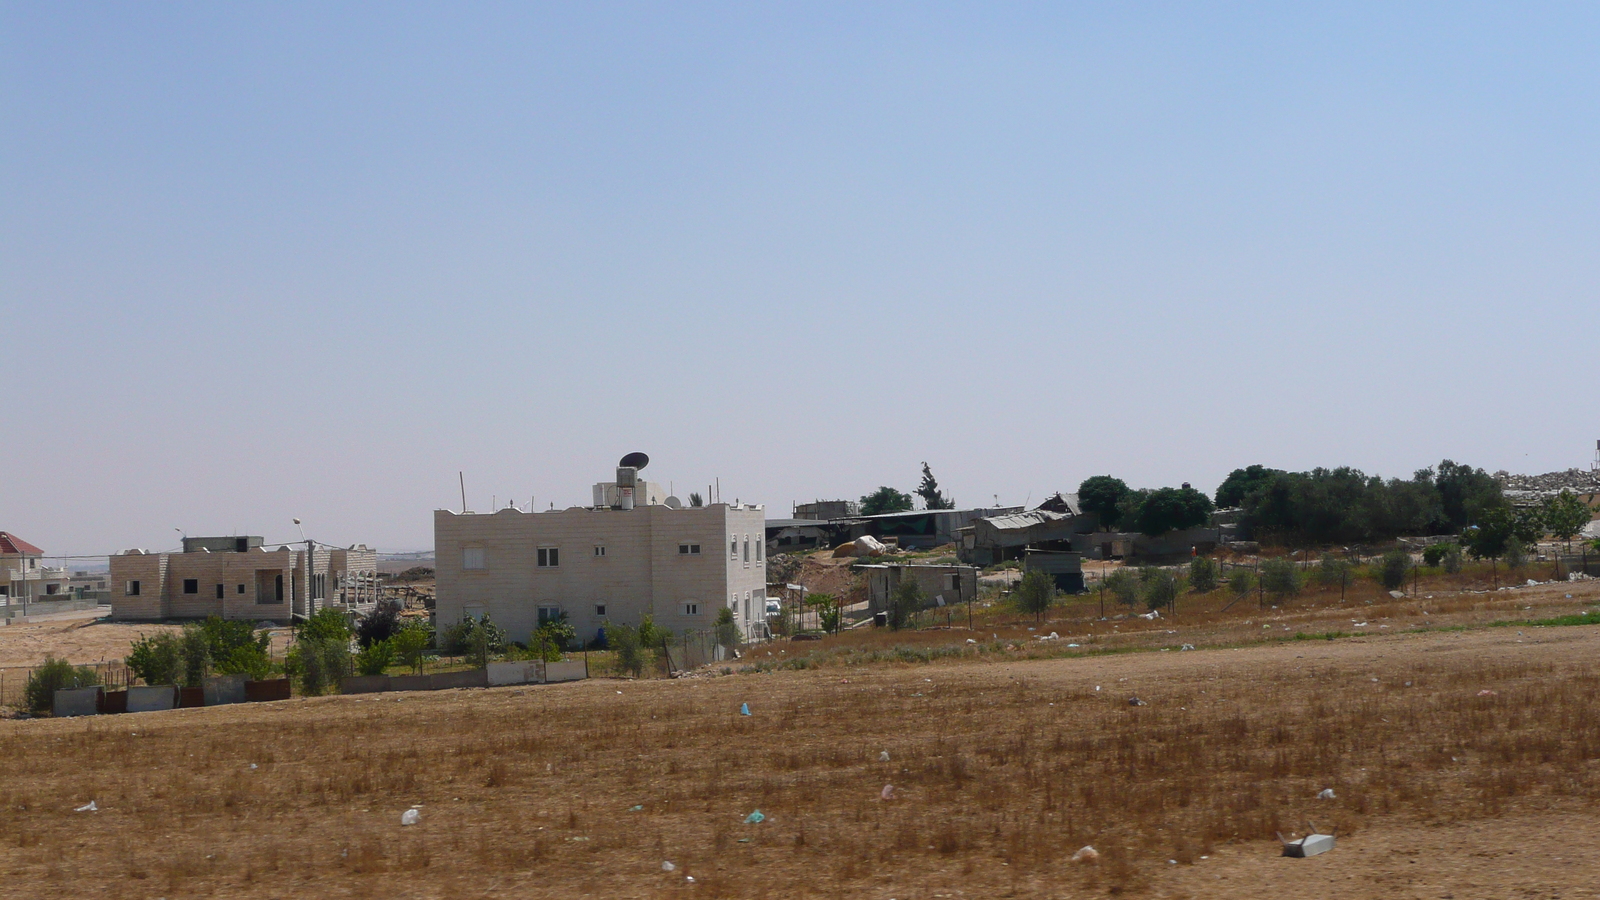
(239,578)
(608,563)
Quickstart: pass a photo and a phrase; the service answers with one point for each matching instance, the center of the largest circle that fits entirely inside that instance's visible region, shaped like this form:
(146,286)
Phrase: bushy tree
(157,658)
(1433,555)
(1343,505)
(1203,574)
(1158,586)
(651,635)
(827,607)
(1392,569)
(196,656)
(1516,555)
(1280,577)
(885,500)
(476,638)
(1332,570)
(1240,482)
(553,637)
(380,624)
(1565,515)
(1451,561)
(317,663)
(235,648)
(726,628)
(326,623)
(904,603)
(1488,538)
(55,675)
(376,657)
(631,655)
(929,491)
(1171,509)
(1035,594)
(1102,495)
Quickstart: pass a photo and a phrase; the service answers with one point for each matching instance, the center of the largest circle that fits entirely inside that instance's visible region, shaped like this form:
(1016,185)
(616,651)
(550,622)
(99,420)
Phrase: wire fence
(14,680)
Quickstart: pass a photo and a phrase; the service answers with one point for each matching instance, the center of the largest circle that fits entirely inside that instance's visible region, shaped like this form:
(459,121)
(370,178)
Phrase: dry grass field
(1002,766)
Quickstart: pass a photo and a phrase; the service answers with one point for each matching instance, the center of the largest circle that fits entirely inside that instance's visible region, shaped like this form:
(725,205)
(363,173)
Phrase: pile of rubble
(1582,480)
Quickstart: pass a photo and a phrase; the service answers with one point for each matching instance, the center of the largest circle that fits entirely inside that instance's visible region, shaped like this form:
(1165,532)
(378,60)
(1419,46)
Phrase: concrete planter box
(77,702)
(521,672)
(364,684)
(152,698)
(568,670)
(268,690)
(469,679)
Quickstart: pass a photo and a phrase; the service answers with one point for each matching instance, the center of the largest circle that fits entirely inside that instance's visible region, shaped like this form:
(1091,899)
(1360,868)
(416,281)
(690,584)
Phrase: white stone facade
(600,565)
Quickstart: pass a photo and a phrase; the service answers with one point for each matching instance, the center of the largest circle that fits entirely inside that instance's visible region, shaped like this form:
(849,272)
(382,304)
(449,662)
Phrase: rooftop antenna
(463,477)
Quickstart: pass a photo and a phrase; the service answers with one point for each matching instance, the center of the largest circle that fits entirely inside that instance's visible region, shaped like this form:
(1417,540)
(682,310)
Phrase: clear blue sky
(270,260)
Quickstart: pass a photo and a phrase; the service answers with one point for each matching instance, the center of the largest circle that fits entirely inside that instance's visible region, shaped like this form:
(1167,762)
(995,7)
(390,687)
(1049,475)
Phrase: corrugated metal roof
(1024,520)
(10,543)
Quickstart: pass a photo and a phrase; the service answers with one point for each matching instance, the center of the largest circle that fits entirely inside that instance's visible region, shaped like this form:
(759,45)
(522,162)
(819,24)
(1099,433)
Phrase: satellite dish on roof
(672,503)
(635,460)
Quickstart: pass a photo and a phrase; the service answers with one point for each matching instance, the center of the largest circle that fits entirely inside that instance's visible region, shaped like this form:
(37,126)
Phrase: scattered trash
(971,641)
(887,793)
(88,807)
(1310,845)
(253,766)
(667,866)
(755,818)
(744,709)
(1172,862)
(1097,687)
(1072,645)
(410,817)
(1152,615)
(1532,583)
(689,878)
(1087,854)
(1326,794)
(1135,701)
(1187,647)
(1360,625)
(884,756)
(1398,595)
(636,808)
(1487,693)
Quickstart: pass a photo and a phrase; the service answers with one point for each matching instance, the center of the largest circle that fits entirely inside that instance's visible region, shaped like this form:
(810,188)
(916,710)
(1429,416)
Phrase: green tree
(380,624)
(235,647)
(1171,509)
(411,643)
(828,612)
(1565,515)
(1433,555)
(1489,537)
(695,500)
(929,491)
(55,675)
(1331,571)
(1158,586)
(904,603)
(157,658)
(1393,568)
(196,655)
(317,663)
(326,623)
(885,500)
(1123,586)
(376,657)
(1451,561)
(1516,555)
(1102,495)
(477,639)
(1240,482)
(1203,574)
(553,637)
(726,628)
(1035,594)
(650,635)
(630,654)
(1280,577)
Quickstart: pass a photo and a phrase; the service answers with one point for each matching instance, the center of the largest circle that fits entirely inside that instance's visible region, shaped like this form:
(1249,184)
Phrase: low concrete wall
(567,670)
(152,698)
(520,672)
(191,697)
(469,679)
(268,690)
(114,702)
(77,702)
(410,682)
(220,690)
(364,684)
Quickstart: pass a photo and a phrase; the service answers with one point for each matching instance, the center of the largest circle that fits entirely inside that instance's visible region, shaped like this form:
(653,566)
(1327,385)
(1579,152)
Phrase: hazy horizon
(263,261)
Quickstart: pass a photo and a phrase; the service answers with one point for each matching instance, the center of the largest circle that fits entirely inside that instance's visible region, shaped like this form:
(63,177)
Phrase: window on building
(599,549)
(760,545)
(131,589)
(688,549)
(472,558)
(733,546)
(549,557)
(240,590)
(191,585)
(221,591)
(5,590)
(747,548)
(52,589)
(691,609)
(952,582)
(600,610)
(549,612)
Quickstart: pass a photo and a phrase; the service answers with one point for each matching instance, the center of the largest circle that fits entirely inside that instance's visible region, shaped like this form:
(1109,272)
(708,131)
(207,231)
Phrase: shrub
(1433,554)
(1332,570)
(475,638)
(553,638)
(1516,554)
(1035,594)
(1123,586)
(196,656)
(1203,572)
(235,648)
(325,624)
(55,675)
(904,603)
(1280,577)
(375,658)
(1158,586)
(158,659)
(1452,559)
(651,636)
(1392,569)
(1242,582)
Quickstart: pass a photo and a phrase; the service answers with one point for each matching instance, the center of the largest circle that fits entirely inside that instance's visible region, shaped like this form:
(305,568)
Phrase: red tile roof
(10,543)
